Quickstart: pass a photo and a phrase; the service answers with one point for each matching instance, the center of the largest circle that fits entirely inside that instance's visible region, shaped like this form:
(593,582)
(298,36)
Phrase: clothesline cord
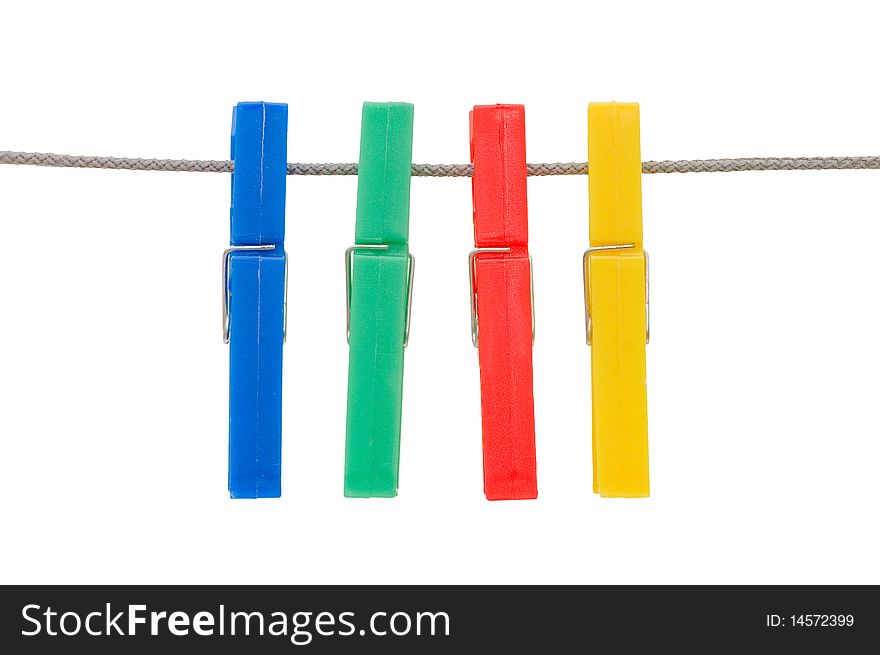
(444,170)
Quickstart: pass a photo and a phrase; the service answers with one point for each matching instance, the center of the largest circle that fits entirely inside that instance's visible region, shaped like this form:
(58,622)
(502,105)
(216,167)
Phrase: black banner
(424,619)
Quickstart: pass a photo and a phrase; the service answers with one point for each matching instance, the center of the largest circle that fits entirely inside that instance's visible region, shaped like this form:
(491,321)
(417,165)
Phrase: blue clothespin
(254,298)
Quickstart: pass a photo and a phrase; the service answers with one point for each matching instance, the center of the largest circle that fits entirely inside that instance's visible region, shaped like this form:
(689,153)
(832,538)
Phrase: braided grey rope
(445,170)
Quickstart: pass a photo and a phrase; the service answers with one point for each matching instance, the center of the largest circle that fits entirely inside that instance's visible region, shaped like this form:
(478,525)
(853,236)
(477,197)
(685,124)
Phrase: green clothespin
(379,278)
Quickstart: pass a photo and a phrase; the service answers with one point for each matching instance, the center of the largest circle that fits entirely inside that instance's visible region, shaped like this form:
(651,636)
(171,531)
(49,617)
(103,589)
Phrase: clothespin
(254,298)
(616,297)
(379,273)
(502,301)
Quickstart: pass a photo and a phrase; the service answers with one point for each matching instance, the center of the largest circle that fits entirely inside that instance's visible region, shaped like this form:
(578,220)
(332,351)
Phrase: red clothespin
(502,308)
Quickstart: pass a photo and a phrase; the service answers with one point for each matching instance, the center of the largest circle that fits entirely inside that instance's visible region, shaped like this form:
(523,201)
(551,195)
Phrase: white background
(764,357)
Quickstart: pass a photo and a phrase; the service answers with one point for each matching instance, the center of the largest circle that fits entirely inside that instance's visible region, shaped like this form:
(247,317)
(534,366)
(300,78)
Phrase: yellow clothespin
(616,296)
